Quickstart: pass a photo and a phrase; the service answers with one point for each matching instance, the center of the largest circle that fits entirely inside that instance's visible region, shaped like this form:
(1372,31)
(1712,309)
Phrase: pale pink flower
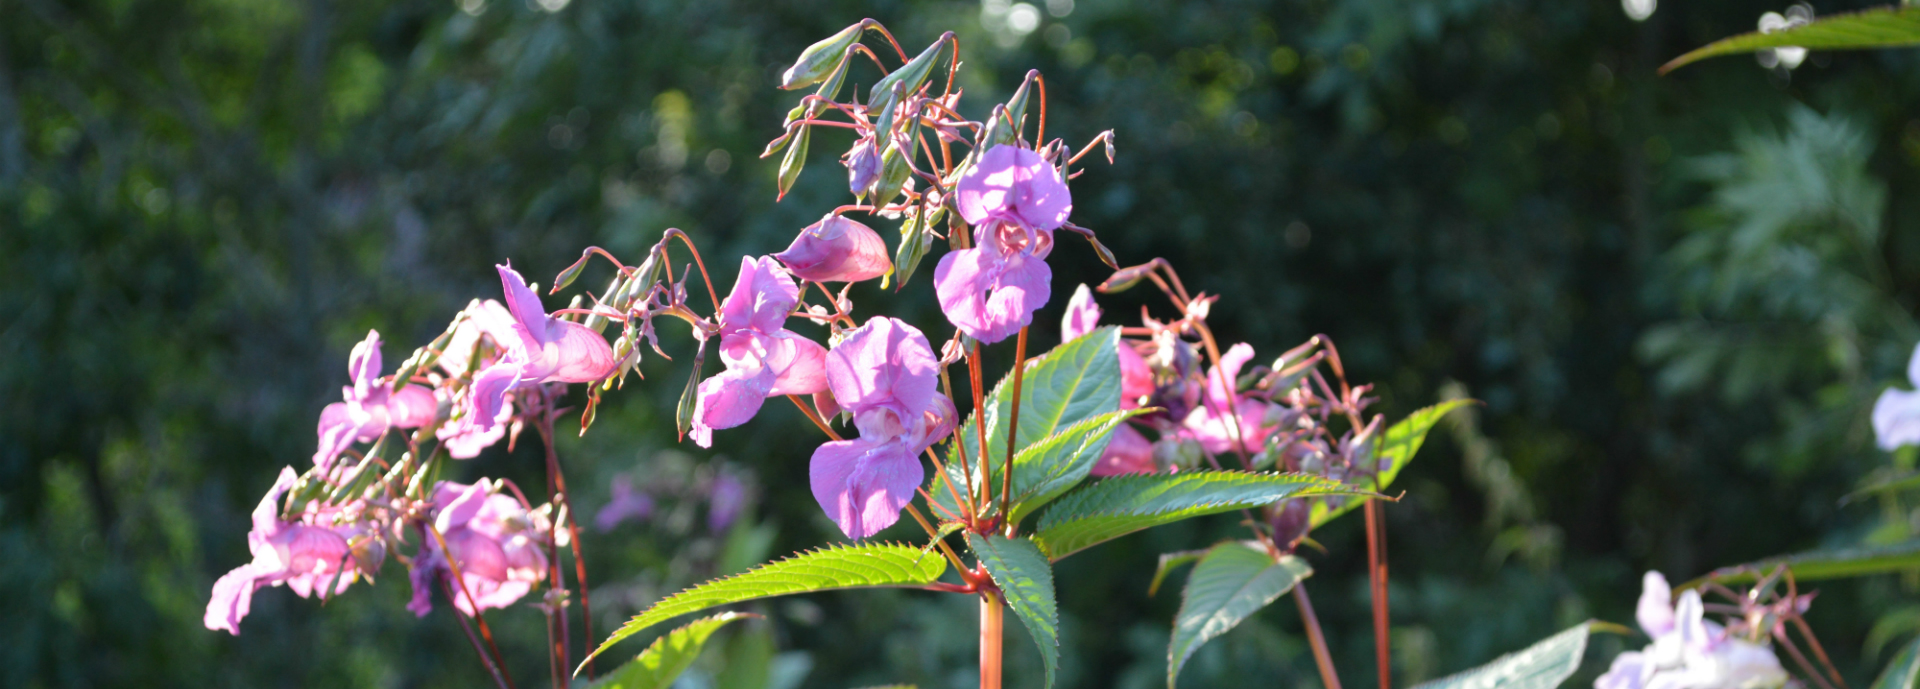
(836,249)
(1213,425)
(371,407)
(1082,317)
(310,559)
(1014,199)
(763,359)
(539,349)
(884,373)
(624,505)
(496,541)
(1128,452)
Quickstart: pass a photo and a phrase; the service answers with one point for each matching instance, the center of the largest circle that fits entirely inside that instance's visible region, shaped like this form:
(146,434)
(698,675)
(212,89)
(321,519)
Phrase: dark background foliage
(1677,297)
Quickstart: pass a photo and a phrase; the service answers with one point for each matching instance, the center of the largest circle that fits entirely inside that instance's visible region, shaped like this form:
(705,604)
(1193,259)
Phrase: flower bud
(916,237)
(893,174)
(820,59)
(1125,278)
(836,249)
(908,77)
(567,276)
(863,166)
(690,399)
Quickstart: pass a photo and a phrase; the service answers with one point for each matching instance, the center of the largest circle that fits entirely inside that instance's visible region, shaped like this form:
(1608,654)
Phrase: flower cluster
(1688,651)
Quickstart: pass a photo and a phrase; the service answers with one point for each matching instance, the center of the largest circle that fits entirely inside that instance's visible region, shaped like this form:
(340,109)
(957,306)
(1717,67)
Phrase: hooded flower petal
(550,349)
(836,249)
(232,599)
(862,484)
(884,362)
(412,407)
(1013,184)
(990,297)
(730,399)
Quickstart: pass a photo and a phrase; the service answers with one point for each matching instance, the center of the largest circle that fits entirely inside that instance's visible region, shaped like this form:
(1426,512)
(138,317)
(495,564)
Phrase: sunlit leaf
(1071,383)
(1541,666)
(1169,562)
(1024,575)
(670,655)
(1231,583)
(1882,27)
(1045,469)
(1117,506)
(842,567)
(1397,447)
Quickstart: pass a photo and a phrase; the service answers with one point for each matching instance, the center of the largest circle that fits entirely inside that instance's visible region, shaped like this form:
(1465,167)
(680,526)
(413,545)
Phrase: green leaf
(1121,505)
(843,567)
(1881,27)
(1026,578)
(1901,672)
(1823,564)
(662,662)
(1397,447)
(1234,581)
(1044,470)
(1169,561)
(1071,383)
(1541,666)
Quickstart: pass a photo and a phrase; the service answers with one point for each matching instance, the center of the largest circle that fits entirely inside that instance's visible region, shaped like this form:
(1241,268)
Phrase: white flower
(1689,652)
(1896,415)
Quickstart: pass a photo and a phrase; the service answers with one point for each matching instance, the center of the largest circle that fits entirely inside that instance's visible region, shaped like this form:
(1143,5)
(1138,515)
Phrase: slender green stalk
(1013,429)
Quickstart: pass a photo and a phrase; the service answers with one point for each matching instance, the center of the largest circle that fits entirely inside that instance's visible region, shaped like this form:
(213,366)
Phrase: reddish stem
(1013,430)
(1316,638)
(992,618)
(1377,573)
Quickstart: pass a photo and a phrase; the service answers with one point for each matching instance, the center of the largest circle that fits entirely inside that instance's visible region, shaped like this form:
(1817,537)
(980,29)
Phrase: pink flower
(762,358)
(884,374)
(1014,199)
(863,165)
(836,249)
(1128,452)
(1213,425)
(370,407)
(497,543)
(308,559)
(539,349)
(625,504)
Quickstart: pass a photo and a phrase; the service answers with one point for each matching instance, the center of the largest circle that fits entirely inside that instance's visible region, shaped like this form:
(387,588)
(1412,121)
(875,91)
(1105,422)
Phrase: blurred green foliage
(1678,297)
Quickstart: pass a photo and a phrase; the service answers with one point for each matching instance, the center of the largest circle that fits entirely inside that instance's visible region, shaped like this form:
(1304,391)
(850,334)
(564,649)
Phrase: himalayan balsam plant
(1115,430)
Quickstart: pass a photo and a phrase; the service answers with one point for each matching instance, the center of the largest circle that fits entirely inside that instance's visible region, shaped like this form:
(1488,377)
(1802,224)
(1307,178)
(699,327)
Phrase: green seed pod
(567,276)
(791,165)
(690,399)
(820,59)
(908,78)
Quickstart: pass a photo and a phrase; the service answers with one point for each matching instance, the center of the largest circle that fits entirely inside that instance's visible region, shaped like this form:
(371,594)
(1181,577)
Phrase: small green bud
(690,399)
(567,276)
(791,165)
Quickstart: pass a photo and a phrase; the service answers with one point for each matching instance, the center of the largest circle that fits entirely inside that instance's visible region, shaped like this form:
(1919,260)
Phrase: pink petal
(863,485)
(422,575)
(826,405)
(1022,288)
(960,281)
(476,554)
(266,515)
(1013,184)
(455,504)
(490,319)
(762,297)
(729,398)
(488,392)
(574,353)
(466,437)
(1655,609)
(1128,452)
(801,365)
(884,361)
(1042,201)
(231,601)
(522,301)
(1136,378)
(412,407)
(1221,388)
(1082,315)
(836,249)
(363,365)
(337,432)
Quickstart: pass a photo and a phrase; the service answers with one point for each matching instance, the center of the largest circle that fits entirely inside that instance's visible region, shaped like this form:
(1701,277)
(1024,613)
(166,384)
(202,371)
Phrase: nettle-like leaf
(1397,447)
(668,656)
(1232,582)
(1073,382)
(1823,564)
(1024,575)
(866,565)
(1117,506)
(1881,27)
(1543,665)
(1045,469)
(1902,671)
